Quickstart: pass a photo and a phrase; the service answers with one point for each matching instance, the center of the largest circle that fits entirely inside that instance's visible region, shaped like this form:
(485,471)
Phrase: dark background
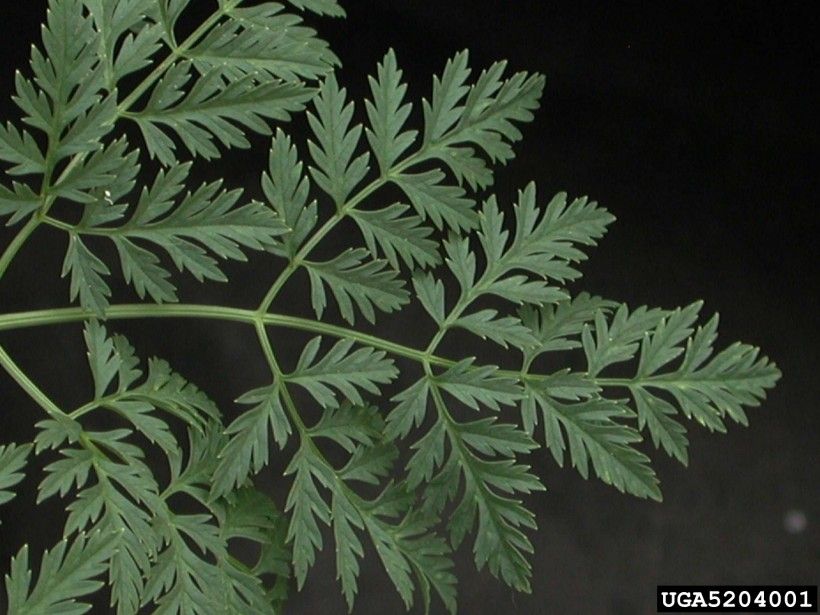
(695,124)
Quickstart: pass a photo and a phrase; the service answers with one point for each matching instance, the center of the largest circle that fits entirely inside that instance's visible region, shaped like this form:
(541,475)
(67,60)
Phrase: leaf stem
(14,247)
(343,211)
(37,394)
(175,54)
(38,318)
(311,243)
(48,199)
(37,218)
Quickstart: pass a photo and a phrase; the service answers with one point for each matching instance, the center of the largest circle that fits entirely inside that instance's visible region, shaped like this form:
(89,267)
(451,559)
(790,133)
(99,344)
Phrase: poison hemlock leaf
(212,110)
(441,203)
(153,560)
(12,462)
(395,235)
(617,340)
(444,462)
(242,45)
(355,279)
(705,390)
(462,117)
(475,386)
(593,435)
(128,38)
(338,170)
(481,465)
(347,372)
(557,327)
(114,367)
(505,331)
(67,572)
(193,228)
(388,113)
(248,448)
(287,191)
(322,7)
(18,202)
(408,547)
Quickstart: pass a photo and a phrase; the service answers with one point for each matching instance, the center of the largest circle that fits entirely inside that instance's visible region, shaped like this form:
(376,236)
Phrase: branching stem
(46,195)
(33,391)
(14,247)
(177,52)
(331,223)
(38,318)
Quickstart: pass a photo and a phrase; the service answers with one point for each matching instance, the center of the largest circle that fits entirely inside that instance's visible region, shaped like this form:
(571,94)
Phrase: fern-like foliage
(178,561)
(410,472)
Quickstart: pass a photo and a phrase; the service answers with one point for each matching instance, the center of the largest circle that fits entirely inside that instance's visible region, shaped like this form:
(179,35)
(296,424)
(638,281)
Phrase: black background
(695,124)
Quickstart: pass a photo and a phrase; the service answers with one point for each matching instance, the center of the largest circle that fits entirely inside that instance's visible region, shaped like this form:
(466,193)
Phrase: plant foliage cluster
(114,110)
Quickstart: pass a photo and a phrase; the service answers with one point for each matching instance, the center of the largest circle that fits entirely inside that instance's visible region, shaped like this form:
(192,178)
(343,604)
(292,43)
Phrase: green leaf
(91,181)
(19,149)
(306,507)
(543,244)
(616,341)
(251,515)
(117,503)
(504,331)
(248,449)
(337,172)
(462,263)
(475,386)
(113,359)
(86,134)
(321,7)
(656,414)
(87,271)
(180,581)
(484,505)
(349,425)
(558,327)
(64,100)
(397,236)
(388,114)
(430,293)
(67,572)
(706,390)
(167,13)
(500,542)
(184,574)
(212,110)
(661,346)
(593,434)
(370,464)
(487,437)
(410,410)
(463,119)
(102,359)
(127,40)
(264,42)
(370,284)
(340,369)
(443,204)
(410,549)
(194,229)
(287,190)
(62,475)
(18,202)
(13,459)
(443,111)
(349,549)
